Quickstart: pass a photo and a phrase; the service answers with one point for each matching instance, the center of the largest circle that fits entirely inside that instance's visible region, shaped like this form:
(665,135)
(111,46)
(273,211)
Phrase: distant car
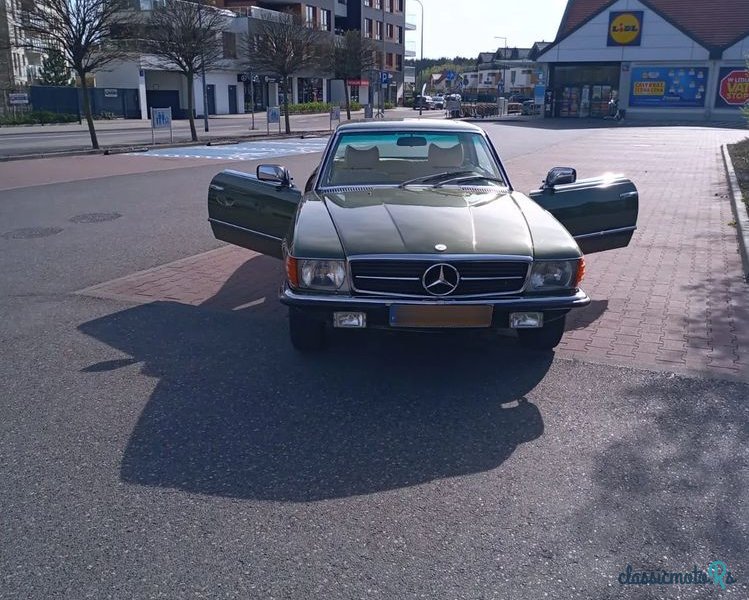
(519,98)
(514,108)
(413,225)
(423,102)
(438,102)
(530,107)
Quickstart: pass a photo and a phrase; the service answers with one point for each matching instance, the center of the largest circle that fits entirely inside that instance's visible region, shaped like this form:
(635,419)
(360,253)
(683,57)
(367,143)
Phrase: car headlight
(554,275)
(322,274)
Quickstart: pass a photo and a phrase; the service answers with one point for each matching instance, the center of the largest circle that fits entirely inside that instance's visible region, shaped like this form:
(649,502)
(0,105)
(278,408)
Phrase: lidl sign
(733,87)
(625,28)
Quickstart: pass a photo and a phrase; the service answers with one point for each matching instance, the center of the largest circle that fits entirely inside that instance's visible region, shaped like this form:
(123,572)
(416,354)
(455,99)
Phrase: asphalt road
(18,141)
(168,451)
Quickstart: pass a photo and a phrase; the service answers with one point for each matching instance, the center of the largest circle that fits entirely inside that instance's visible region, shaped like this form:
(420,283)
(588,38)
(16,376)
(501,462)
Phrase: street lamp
(504,66)
(421,51)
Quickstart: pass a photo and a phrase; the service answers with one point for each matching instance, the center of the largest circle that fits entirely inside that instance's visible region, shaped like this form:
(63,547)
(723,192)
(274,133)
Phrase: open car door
(600,213)
(252,213)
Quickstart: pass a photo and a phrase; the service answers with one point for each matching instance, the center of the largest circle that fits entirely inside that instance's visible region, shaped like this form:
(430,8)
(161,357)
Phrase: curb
(739,211)
(145,147)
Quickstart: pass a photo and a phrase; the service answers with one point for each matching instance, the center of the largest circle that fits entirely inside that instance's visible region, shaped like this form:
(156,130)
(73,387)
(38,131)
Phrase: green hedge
(315,107)
(37,117)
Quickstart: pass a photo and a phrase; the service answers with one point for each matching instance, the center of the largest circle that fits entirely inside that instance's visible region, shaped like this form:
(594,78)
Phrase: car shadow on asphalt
(238,413)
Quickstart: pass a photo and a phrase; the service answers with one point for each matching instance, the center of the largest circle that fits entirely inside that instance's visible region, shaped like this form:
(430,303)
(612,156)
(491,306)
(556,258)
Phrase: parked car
(531,108)
(414,225)
(438,102)
(423,102)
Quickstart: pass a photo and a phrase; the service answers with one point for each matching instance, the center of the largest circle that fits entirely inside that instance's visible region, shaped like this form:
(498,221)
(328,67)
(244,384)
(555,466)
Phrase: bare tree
(283,47)
(187,37)
(351,56)
(84,31)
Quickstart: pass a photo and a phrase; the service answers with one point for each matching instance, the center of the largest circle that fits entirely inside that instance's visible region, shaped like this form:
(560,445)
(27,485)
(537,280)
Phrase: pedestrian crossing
(254,150)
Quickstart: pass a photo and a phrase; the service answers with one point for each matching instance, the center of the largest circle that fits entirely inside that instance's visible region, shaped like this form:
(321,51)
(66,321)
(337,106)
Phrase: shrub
(40,117)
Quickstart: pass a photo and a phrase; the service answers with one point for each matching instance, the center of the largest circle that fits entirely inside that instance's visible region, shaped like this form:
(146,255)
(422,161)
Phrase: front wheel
(307,334)
(544,338)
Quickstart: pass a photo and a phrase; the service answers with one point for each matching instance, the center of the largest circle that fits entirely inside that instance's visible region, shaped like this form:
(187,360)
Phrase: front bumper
(322,306)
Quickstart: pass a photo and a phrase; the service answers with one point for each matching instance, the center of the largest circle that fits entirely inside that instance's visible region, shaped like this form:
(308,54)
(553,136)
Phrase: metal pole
(384,27)
(504,67)
(202,68)
(421,52)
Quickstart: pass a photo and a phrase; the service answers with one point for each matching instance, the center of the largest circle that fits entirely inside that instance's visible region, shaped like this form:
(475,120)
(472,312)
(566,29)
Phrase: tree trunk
(286,105)
(87,110)
(191,104)
(348,103)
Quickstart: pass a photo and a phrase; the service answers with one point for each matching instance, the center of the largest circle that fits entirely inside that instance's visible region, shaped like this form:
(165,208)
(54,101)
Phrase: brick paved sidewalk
(673,300)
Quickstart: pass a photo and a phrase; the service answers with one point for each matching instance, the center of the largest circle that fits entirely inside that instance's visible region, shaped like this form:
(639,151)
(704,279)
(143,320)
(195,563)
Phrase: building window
(398,62)
(389,60)
(230,44)
(378,4)
(378,58)
(390,31)
(367,28)
(400,34)
(378,32)
(367,2)
(324,19)
(309,16)
(390,5)
(399,5)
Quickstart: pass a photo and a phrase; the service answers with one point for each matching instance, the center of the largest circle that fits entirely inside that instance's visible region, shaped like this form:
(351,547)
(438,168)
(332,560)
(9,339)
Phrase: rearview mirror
(274,174)
(560,176)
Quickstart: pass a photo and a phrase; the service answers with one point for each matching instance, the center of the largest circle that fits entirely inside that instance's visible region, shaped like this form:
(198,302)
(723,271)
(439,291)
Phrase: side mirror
(274,174)
(559,176)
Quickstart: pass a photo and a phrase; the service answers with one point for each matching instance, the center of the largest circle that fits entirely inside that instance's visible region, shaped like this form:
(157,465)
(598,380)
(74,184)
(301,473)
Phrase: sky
(467,27)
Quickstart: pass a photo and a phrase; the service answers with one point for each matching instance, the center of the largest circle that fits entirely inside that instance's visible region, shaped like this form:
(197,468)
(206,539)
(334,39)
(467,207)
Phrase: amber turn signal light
(292,272)
(580,271)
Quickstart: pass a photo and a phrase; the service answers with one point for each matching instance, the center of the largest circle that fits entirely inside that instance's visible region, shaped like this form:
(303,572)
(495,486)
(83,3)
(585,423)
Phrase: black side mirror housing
(559,176)
(277,174)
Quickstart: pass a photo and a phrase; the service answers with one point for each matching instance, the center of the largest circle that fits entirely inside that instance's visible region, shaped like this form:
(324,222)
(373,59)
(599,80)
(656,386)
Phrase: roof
(714,24)
(410,125)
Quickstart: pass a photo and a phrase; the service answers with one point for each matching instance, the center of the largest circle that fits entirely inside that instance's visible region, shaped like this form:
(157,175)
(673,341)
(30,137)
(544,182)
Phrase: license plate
(416,315)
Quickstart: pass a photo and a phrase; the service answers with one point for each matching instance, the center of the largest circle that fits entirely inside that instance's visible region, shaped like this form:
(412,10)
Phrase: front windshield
(397,157)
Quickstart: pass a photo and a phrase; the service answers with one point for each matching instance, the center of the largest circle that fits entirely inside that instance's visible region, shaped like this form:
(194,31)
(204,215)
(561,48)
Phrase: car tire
(545,338)
(307,334)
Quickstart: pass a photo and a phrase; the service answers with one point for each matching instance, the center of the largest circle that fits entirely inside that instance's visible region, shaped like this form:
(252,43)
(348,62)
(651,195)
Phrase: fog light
(350,319)
(526,320)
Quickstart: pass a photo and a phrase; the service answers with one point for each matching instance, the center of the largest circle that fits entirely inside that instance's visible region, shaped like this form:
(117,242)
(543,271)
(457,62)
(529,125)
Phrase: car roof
(410,125)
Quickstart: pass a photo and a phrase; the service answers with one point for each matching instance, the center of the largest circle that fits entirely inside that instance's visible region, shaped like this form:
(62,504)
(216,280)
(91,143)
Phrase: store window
(309,89)
(584,90)
(354,93)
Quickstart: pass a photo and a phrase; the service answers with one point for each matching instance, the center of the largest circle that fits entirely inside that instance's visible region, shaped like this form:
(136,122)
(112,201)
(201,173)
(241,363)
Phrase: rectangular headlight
(549,275)
(322,274)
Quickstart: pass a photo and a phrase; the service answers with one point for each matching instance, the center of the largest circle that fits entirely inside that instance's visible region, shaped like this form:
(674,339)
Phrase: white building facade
(655,57)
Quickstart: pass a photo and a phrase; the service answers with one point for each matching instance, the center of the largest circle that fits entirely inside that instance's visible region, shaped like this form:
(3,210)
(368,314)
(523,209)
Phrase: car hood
(413,220)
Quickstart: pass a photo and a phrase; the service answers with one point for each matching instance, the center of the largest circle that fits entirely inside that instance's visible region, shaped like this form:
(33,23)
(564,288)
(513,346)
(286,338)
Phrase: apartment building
(21,55)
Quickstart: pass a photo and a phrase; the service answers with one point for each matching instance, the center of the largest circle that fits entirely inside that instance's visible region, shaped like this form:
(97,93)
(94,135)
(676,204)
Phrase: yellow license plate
(415,315)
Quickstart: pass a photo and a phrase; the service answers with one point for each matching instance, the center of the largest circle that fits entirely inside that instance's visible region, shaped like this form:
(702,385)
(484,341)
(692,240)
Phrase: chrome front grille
(404,277)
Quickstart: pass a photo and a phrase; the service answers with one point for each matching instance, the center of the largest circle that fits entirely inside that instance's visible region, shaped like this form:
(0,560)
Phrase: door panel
(210,90)
(250,213)
(600,213)
(233,100)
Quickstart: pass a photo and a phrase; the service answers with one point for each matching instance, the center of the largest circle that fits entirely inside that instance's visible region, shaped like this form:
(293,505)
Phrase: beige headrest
(445,157)
(362,159)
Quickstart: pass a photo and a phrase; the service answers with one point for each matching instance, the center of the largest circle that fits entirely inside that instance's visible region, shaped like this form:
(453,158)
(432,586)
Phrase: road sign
(18,98)
(161,118)
(450,75)
(274,114)
(384,77)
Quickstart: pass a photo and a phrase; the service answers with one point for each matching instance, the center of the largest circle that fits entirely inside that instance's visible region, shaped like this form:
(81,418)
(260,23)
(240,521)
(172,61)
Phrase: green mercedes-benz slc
(415,225)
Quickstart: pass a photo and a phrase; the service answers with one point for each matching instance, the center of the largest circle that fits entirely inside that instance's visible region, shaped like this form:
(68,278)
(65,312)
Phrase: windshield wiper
(471,178)
(435,176)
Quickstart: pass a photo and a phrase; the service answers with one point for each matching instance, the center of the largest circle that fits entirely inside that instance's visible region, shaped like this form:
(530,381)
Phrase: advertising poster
(733,87)
(668,86)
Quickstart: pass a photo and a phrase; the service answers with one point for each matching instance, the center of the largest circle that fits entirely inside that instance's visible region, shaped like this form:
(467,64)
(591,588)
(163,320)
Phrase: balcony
(410,26)
(409,53)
